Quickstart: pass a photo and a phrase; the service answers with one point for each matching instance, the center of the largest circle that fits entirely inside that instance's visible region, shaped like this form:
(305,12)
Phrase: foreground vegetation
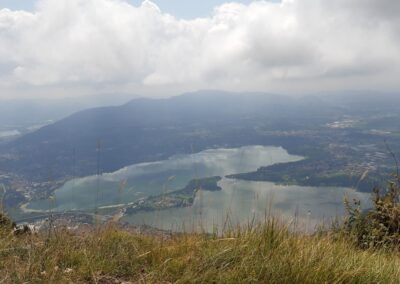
(267,253)
(364,249)
(378,227)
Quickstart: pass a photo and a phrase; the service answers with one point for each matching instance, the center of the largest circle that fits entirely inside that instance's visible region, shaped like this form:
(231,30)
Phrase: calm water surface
(141,180)
(240,202)
(9,133)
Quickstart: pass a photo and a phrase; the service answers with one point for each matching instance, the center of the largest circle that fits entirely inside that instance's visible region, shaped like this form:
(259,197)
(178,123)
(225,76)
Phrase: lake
(142,180)
(241,202)
(9,133)
(238,202)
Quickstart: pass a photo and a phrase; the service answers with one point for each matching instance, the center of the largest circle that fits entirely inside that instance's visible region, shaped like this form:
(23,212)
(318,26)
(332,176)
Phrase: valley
(136,152)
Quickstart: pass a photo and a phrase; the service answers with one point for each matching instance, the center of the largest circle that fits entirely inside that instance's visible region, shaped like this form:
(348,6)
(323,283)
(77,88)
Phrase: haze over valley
(141,156)
(183,141)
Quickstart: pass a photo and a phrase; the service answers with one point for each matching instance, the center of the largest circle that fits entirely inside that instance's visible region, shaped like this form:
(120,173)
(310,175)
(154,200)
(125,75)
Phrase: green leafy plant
(380,226)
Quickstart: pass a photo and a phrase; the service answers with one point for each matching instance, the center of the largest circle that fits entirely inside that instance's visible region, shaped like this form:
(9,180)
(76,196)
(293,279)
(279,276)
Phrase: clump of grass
(380,226)
(265,253)
(6,225)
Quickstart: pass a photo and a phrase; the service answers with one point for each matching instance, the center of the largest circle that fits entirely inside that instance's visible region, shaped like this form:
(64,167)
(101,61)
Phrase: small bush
(380,226)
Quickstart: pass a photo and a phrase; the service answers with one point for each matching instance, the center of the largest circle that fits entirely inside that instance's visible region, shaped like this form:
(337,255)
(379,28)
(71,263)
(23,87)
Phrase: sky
(186,9)
(165,47)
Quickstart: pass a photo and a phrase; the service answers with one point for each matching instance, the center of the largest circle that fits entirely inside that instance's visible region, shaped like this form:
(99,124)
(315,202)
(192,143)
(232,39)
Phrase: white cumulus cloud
(288,46)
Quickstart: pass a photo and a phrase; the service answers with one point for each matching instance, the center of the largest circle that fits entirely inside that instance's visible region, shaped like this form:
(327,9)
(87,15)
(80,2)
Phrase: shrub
(380,226)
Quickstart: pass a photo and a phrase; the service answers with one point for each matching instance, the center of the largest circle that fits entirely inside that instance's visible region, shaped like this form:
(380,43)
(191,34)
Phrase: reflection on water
(141,180)
(240,202)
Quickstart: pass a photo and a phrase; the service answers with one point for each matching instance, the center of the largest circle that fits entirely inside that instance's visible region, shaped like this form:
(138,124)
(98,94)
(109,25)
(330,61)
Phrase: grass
(266,253)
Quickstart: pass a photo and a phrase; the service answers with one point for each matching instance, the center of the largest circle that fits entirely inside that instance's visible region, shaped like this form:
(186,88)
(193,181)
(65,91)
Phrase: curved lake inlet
(148,179)
(238,202)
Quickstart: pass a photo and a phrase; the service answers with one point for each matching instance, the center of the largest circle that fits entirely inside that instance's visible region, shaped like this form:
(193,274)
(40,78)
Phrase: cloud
(290,46)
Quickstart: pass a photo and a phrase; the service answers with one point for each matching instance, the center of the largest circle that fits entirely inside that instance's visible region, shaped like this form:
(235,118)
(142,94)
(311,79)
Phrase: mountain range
(144,130)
